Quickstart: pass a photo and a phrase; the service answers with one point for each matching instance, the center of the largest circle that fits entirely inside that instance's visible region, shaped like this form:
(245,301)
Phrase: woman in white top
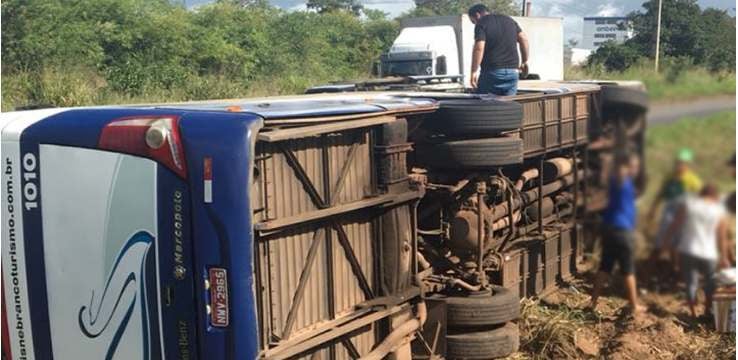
(703,242)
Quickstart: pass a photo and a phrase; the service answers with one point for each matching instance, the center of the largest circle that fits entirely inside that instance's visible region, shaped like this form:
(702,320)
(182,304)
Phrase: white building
(598,30)
(576,56)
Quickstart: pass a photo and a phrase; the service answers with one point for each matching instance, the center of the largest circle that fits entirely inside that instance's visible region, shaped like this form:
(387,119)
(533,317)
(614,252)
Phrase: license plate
(218,297)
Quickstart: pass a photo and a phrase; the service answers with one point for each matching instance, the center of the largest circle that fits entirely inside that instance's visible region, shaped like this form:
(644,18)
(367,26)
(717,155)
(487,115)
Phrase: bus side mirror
(377,69)
(441,65)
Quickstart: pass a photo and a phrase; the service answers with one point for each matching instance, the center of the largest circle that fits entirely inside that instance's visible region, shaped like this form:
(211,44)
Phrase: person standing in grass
(703,244)
(618,231)
(682,181)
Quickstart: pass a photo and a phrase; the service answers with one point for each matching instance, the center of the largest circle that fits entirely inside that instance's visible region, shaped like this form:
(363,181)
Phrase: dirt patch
(561,325)
(587,343)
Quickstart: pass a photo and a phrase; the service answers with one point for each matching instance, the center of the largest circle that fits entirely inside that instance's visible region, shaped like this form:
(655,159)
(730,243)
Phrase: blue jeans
(499,82)
(692,267)
(667,217)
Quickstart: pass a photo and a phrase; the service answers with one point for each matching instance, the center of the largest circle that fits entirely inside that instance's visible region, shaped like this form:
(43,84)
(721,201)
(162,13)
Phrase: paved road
(667,112)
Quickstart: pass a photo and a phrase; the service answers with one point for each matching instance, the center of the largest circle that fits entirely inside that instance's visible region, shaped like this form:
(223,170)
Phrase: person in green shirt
(682,181)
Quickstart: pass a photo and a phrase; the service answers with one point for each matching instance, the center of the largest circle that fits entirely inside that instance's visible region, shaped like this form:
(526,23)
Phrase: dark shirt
(500,33)
(730,203)
(621,205)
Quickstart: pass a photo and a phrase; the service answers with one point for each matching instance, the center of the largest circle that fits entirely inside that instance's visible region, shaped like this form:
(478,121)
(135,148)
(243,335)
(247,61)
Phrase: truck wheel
(483,310)
(477,153)
(476,117)
(488,344)
(624,98)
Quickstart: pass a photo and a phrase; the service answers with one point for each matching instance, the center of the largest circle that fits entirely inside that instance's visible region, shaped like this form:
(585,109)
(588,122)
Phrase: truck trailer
(362,225)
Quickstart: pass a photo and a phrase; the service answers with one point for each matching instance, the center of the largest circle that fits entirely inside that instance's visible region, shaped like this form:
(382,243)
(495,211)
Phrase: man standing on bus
(496,40)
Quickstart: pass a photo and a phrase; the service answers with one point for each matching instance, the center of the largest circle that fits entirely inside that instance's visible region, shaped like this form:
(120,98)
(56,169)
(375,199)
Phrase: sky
(572,11)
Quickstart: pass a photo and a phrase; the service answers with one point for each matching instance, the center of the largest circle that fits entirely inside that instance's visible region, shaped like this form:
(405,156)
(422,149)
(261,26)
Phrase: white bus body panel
(99,227)
(99,220)
(20,330)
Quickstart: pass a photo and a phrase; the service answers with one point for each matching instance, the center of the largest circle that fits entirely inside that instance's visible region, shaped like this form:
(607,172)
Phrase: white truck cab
(428,51)
(441,46)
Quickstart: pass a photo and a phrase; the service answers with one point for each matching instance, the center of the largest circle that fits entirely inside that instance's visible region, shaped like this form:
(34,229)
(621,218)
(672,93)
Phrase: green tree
(246,3)
(64,52)
(324,6)
(614,57)
(718,39)
(688,33)
(680,28)
(458,7)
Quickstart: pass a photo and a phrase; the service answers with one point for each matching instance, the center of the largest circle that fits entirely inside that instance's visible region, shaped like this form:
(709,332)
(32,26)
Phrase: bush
(101,51)
(614,57)
(678,78)
(52,87)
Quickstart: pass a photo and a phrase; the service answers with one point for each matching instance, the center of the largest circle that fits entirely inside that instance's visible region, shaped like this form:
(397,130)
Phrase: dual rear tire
(475,117)
(480,326)
(472,153)
(470,134)
(485,344)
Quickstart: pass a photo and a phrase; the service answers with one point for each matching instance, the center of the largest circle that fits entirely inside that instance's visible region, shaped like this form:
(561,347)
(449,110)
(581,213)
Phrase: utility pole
(526,8)
(658,38)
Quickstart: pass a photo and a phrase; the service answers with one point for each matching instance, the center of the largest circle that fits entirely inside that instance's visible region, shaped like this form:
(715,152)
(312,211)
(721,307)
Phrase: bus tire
(476,117)
(476,153)
(485,344)
(483,310)
(623,98)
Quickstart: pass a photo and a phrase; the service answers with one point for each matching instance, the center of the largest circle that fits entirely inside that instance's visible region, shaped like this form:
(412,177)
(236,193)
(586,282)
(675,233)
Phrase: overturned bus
(364,225)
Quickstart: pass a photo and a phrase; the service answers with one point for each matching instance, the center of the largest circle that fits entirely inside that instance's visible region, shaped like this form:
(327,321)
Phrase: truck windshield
(407,68)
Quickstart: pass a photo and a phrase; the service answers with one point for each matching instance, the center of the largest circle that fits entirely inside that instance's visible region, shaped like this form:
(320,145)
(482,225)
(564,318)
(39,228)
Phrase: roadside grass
(721,346)
(85,87)
(713,141)
(565,330)
(550,331)
(673,83)
(81,86)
